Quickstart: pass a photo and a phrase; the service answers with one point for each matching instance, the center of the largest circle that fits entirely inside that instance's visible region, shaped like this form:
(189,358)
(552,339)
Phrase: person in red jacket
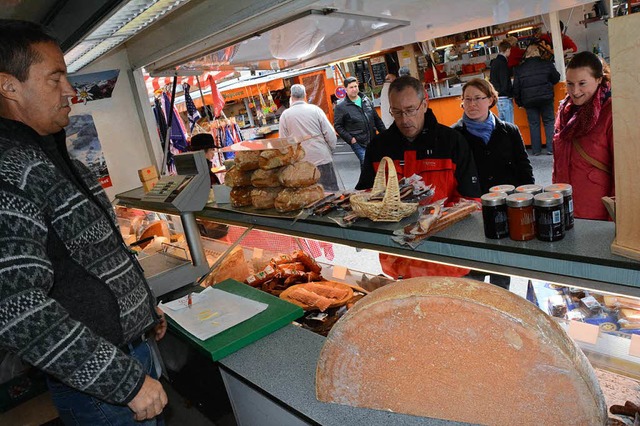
(418,144)
(567,43)
(583,140)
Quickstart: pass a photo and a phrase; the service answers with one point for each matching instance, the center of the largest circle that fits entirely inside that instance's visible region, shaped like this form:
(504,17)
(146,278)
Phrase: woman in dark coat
(497,146)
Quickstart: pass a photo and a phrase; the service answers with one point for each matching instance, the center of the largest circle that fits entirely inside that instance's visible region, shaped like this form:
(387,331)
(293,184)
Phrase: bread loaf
(272,158)
(236,177)
(459,350)
(299,175)
(296,198)
(264,198)
(247,160)
(240,196)
(265,178)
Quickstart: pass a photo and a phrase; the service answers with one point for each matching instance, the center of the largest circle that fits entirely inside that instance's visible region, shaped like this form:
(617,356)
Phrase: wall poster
(83,144)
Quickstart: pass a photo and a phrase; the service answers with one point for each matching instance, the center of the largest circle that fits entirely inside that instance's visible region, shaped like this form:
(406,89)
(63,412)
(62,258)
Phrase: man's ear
(8,86)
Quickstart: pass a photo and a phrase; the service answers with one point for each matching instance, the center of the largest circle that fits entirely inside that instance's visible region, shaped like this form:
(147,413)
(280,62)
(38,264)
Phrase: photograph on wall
(93,86)
(83,144)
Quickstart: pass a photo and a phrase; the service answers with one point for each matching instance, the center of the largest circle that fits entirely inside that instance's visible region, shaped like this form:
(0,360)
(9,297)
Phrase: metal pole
(192,235)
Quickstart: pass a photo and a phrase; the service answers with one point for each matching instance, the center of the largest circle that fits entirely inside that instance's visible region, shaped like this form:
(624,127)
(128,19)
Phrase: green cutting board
(277,315)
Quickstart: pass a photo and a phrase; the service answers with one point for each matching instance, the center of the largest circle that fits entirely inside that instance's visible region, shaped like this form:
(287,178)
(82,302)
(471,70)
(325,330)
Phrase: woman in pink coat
(583,140)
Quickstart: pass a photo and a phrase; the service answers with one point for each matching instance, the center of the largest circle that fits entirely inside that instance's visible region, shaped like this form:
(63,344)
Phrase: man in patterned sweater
(73,299)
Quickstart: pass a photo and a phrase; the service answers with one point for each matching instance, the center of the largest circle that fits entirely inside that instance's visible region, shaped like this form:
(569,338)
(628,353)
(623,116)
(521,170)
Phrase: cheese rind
(460,350)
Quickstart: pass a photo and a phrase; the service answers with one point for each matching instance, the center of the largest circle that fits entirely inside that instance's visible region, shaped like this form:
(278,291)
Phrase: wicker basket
(390,209)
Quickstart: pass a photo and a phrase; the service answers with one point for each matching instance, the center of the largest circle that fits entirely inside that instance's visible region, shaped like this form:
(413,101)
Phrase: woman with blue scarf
(497,146)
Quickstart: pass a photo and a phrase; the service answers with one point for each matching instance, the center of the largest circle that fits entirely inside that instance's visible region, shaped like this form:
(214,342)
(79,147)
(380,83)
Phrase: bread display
(247,160)
(265,178)
(264,198)
(233,266)
(241,196)
(236,177)
(296,198)
(459,350)
(273,158)
(299,175)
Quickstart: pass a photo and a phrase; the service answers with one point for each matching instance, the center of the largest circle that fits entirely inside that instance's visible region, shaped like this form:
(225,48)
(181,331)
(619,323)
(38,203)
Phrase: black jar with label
(549,215)
(567,195)
(494,215)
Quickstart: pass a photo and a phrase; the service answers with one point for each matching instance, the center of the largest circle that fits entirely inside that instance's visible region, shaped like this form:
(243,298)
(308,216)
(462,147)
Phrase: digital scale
(187,192)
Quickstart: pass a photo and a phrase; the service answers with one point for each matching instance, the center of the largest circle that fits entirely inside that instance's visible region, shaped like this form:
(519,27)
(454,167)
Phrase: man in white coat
(385,114)
(302,119)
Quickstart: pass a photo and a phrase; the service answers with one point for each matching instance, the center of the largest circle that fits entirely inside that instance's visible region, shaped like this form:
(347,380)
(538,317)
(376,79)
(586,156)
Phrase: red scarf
(576,121)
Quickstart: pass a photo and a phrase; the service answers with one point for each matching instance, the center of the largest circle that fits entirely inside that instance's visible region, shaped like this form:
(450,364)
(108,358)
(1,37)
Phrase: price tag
(634,349)
(339,272)
(584,332)
(257,253)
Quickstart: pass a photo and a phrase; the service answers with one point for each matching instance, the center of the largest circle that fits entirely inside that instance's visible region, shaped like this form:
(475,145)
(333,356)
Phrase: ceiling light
(127,21)
(520,29)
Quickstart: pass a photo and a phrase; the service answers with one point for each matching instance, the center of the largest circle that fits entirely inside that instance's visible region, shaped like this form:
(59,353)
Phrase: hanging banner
(83,145)
(93,86)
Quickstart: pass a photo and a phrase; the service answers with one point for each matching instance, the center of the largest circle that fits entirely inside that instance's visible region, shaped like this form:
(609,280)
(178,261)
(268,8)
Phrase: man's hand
(149,401)
(353,140)
(160,329)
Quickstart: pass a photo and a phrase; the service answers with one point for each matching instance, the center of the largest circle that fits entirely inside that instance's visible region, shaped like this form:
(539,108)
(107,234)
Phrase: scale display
(188,190)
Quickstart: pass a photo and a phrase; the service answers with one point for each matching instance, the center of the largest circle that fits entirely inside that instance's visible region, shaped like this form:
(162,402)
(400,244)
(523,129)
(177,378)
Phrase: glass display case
(576,280)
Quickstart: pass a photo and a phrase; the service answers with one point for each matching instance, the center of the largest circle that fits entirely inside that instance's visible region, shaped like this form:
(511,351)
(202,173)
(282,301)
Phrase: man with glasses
(356,120)
(418,144)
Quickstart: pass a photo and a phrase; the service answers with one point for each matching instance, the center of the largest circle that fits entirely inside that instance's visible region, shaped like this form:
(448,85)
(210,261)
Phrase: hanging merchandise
(192,112)
(178,132)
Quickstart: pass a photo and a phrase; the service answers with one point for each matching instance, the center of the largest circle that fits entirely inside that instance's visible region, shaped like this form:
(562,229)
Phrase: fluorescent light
(127,21)
(520,29)
(473,40)
(443,47)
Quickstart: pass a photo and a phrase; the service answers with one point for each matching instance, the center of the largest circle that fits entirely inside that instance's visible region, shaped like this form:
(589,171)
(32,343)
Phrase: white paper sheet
(212,311)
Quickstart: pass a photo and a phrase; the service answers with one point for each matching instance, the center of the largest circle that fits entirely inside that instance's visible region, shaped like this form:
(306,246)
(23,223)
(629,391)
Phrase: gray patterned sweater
(70,291)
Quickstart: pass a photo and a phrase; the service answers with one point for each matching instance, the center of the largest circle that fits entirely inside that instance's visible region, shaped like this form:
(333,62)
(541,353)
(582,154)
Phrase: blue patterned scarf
(481,129)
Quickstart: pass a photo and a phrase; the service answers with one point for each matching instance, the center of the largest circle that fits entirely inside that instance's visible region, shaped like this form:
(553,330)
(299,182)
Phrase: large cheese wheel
(460,350)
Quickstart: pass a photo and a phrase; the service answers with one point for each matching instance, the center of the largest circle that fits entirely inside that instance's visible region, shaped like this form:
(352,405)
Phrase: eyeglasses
(411,112)
(477,99)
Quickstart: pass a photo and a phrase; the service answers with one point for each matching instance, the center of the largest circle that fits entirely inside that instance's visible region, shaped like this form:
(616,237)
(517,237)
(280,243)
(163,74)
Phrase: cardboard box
(148,185)
(148,173)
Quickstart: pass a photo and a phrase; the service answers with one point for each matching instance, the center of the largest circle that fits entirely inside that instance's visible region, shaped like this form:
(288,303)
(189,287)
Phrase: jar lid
(548,199)
(520,199)
(494,199)
(531,189)
(563,188)
(503,188)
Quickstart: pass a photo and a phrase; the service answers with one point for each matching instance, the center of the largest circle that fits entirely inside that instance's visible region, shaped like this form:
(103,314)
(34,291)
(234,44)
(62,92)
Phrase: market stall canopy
(169,45)
(158,83)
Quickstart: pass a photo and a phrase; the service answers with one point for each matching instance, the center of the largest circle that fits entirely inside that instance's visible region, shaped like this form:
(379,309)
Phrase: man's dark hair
(504,46)
(349,80)
(16,52)
(401,83)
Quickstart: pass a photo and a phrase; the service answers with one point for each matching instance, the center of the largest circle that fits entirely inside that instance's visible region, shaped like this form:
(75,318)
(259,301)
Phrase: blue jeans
(79,408)
(548,117)
(359,150)
(505,109)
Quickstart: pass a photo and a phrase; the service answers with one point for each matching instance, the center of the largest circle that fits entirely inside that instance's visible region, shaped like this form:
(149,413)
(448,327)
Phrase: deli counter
(275,376)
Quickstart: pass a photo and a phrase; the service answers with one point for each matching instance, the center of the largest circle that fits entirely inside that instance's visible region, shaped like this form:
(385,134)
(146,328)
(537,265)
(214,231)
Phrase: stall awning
(158,83)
